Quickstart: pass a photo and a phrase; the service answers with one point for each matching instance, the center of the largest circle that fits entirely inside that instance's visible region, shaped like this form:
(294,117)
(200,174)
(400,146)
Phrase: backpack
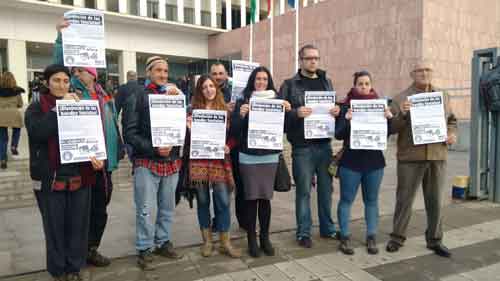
(489,89)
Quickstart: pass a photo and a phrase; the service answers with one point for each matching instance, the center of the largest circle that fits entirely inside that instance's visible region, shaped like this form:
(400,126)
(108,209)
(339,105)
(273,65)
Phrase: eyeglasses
(421,70)
(311,58)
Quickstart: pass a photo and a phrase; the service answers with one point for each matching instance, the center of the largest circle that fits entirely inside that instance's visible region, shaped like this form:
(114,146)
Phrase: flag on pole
(253,11)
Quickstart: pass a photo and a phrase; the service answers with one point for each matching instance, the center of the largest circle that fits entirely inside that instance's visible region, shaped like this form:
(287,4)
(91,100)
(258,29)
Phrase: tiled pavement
(472,231)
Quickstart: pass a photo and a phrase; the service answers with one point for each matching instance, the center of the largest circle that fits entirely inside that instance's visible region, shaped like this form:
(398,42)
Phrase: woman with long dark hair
(358,167)
(206,174)
(257,166)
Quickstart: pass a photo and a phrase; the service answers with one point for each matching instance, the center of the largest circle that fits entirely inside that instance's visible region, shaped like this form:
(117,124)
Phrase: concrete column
(79,3)
(128,61)
(243,12)
(282,7)
(180,10)
(305,3)
(213,13)
(143,8)
(123,6)
(101,5)
(229,11)
(17,61)
(162,9)
(197,12)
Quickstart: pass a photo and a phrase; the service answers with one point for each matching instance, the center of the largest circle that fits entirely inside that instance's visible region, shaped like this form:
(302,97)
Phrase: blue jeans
(308,161)
(152,191)
(370,186)
(222,209)
(4,140)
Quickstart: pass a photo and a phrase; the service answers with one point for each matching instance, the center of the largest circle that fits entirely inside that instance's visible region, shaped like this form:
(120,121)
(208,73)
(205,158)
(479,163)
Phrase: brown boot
(225,246)
(207,247)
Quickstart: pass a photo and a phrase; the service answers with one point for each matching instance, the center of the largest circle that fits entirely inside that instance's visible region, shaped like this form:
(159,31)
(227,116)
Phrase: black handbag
(282,181)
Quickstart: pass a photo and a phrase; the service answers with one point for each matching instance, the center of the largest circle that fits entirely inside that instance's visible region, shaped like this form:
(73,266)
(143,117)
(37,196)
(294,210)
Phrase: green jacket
(112,136)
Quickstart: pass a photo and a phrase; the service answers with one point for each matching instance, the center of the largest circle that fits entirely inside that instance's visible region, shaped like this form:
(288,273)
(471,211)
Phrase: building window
(90,4)
(206,19)
(171,12)
(189,15)
(113,6)
(133,6)
(153,9)
(67,2)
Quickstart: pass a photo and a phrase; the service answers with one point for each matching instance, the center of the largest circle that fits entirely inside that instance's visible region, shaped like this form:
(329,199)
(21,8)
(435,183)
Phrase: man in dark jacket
(127,89)
(310,157)
(156,169)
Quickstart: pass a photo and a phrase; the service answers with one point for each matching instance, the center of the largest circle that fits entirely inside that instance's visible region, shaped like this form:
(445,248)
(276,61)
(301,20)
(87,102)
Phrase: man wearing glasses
(419,165)
(309,157)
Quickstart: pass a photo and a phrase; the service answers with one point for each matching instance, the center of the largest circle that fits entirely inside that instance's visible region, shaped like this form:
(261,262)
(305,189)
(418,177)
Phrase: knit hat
(53,69)
(152,61)
(92,71)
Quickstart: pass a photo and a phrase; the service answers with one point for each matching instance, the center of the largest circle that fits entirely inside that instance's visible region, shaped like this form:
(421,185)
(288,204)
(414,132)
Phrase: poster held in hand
(266,120)
(320,124)
(168,120)
(80,131)
(208,134)
(428,121)
(368,124)
(83,40)
(241,73)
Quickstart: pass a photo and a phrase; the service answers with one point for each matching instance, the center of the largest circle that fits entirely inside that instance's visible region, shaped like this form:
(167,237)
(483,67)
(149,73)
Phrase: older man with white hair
(419,165)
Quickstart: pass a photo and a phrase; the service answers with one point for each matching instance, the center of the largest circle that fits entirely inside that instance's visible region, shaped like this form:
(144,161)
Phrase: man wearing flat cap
(419,165)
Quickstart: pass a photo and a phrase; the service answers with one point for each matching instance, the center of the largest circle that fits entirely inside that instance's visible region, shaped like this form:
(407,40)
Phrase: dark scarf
(354,94)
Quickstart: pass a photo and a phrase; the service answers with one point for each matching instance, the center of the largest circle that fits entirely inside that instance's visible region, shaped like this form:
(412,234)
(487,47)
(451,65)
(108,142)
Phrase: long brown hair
(8,80)
(199,101)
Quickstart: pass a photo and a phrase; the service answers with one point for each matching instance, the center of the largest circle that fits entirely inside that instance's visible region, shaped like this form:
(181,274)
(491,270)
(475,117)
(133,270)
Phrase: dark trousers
(431,175)
(101,196)
(65,218)
(239,205)
(261,207)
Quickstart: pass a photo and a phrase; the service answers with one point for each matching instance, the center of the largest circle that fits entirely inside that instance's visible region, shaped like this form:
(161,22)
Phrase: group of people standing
(73,198)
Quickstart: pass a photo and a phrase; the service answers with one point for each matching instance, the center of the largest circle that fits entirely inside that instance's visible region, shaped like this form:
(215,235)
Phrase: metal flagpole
(297,5)
(271,54)
(251,41)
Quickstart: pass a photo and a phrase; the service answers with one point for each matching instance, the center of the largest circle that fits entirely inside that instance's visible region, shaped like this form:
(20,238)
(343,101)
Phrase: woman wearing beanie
(10,116)
(84,82)
(358,167)
(257,166)
(63,194)
(215,175)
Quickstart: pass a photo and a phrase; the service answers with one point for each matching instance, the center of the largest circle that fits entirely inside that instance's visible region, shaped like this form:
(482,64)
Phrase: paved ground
(471,230)
(22,244)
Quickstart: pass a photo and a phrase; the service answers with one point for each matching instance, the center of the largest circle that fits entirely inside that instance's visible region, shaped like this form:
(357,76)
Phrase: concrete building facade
(385,37)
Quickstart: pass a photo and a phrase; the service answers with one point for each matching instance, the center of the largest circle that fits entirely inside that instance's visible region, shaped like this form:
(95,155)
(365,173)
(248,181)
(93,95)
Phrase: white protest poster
(83,40)
(428,122)
(208,134)
(320,124)
(241,73)
(368,124)
(266,120)
(81,135)
(168,120)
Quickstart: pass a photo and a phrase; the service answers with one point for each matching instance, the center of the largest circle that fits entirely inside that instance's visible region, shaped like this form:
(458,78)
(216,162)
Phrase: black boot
(266,245)
(346,246)
(253,248)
